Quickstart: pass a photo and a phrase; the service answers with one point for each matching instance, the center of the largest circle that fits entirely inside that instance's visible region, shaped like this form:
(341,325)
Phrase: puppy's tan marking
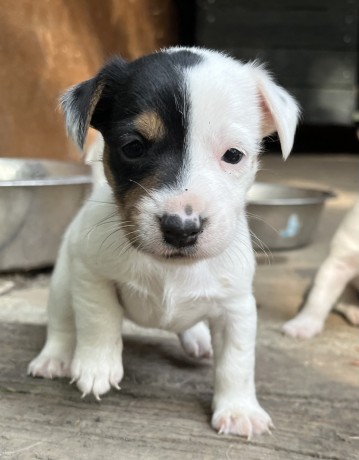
(93,102)
(106,167)
(150,125)
(129,209)
(127,203)
(130,201)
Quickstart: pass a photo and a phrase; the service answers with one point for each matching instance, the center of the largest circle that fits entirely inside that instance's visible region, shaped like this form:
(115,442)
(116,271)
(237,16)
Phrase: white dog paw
(303,327)
(96,371)
(246,420)
(196,341)
(52,362)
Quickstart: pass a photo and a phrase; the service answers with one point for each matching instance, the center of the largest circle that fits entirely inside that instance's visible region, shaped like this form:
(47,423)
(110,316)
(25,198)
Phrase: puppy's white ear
(280,111)
(89,103)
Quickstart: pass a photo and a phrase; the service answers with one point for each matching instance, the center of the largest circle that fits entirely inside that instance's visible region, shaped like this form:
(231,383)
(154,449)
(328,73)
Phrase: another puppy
(340,268)
(166,241)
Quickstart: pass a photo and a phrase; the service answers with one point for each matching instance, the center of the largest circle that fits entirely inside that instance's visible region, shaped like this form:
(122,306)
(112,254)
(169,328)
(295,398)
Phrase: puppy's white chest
(174,302)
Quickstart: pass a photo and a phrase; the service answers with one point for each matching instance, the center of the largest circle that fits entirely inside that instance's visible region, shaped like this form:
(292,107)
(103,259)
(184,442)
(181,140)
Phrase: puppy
(340,268)
(165,241)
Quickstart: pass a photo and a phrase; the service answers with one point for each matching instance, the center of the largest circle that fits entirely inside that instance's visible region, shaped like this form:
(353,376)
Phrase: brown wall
(48,45)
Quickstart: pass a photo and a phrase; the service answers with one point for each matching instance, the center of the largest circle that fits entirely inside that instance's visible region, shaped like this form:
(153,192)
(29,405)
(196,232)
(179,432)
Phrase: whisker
(106,218)
(134,231)
(256,217)
(263,247)
(128,245)
(144,188)
(107,221)
(100,202)
(115,222)
(109,236)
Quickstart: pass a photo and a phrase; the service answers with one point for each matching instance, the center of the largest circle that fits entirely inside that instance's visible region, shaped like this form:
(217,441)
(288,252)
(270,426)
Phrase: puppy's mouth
(163,251)
(157,247)
(180,254)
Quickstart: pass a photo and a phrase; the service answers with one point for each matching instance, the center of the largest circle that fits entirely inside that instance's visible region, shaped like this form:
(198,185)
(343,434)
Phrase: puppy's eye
(233,156)
(133,150)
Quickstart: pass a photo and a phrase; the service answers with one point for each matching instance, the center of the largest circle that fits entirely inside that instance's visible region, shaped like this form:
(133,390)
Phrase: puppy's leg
(97,363)
(196,341)
(236,409)
(329,283)
(55,358)
(349,311)
(348,306)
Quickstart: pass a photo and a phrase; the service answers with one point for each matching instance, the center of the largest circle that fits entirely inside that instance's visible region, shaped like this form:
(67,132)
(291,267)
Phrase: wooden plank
(163,409)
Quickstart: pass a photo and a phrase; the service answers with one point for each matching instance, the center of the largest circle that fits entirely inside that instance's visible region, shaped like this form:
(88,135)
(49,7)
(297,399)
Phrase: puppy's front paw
(242,420)
(196,341)
(303,327)
(95,371)
(54,361)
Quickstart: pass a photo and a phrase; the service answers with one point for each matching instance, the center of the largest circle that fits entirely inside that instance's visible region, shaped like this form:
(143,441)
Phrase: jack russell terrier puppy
(165,241)
(339,268)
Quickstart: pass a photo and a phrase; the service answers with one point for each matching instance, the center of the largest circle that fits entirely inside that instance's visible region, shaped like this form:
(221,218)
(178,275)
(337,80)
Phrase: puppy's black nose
(180,232)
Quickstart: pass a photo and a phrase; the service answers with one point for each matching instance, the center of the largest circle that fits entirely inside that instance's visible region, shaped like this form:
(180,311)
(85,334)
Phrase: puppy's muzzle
(181,232)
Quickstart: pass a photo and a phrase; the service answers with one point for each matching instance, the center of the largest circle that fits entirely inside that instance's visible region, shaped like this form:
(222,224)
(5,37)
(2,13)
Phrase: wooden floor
(311,388)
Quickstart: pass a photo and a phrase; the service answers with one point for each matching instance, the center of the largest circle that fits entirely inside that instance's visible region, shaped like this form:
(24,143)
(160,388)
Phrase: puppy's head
(182,131)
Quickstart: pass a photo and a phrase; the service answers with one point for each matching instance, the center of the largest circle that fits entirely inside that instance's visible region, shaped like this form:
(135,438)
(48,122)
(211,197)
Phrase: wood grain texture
(163,409)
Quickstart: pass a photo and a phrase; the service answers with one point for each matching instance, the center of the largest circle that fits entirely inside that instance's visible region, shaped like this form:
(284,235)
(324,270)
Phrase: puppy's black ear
(83,104)
(78,104)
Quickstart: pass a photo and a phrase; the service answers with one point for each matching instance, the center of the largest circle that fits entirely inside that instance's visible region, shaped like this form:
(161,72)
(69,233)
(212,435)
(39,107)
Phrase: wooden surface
(48,45)
(163,411)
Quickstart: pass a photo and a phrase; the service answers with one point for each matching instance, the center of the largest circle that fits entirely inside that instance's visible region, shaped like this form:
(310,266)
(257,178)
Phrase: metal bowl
(283,217)
(38,199)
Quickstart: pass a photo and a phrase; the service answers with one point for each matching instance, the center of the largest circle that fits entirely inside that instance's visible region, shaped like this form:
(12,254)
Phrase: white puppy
(340,268)
(165,241)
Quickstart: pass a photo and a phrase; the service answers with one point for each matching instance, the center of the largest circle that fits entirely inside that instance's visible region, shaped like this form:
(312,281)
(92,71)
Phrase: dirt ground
(163,410)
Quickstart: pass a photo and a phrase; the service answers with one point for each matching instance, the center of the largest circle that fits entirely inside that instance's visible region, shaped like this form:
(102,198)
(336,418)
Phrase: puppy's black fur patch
(154,83)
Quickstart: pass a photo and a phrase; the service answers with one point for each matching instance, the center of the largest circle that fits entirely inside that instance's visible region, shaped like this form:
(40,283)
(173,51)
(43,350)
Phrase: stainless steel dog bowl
(284,217)
(38,199)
